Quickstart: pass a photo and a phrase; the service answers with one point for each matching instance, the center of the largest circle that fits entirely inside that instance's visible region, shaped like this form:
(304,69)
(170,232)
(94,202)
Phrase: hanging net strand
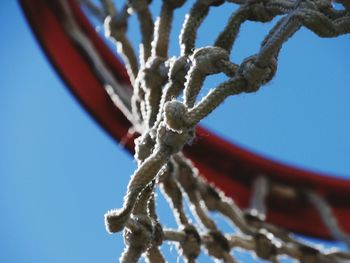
(167,124)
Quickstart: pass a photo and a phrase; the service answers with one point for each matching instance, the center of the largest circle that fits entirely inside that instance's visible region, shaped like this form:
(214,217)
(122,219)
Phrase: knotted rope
(167,124)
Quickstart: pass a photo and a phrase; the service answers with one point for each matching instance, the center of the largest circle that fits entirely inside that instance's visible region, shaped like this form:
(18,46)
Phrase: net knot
(155,71)
(256,75)
(217,245)
(207,59)
(158,234)
(143,147)
(191,245)
(116,219)
(139,232)
(265,248)
(211,2)
(138,5)
(173,141)
(174,115)
(178,69)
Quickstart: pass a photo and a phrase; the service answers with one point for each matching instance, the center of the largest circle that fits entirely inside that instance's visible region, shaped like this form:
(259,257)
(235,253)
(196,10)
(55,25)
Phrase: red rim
(233,169)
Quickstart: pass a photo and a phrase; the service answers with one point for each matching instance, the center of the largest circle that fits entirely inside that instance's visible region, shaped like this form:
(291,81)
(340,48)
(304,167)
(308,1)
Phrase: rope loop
(155,71)
(158,234)
(191,245)
(206,59)
(218,245)
(178,69)
(139,232)
(116,219)
(174,115)
(254,74)
(171,140)
(265,248)
(143,147)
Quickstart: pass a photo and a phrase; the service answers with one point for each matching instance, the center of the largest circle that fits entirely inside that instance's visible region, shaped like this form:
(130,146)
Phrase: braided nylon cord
(166,124)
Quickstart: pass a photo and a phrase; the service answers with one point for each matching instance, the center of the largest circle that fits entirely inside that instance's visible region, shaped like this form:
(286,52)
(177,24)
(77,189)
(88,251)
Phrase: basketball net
(167,123)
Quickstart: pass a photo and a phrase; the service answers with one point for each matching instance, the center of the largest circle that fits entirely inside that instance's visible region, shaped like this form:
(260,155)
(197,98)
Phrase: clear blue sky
(59,172)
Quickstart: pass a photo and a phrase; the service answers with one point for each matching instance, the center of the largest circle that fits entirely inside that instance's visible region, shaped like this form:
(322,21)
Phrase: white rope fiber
(166,124)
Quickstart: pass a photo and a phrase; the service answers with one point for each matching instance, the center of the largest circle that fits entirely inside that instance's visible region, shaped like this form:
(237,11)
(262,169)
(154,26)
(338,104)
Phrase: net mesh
(167,123)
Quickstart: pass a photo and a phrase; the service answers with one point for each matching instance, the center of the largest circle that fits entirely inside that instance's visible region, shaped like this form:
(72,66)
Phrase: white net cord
(167,123)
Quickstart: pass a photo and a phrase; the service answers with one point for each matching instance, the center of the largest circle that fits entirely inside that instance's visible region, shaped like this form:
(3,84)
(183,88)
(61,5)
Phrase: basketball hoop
(166,125)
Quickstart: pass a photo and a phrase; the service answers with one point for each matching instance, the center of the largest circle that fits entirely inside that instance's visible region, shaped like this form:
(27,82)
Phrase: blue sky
(59,171)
